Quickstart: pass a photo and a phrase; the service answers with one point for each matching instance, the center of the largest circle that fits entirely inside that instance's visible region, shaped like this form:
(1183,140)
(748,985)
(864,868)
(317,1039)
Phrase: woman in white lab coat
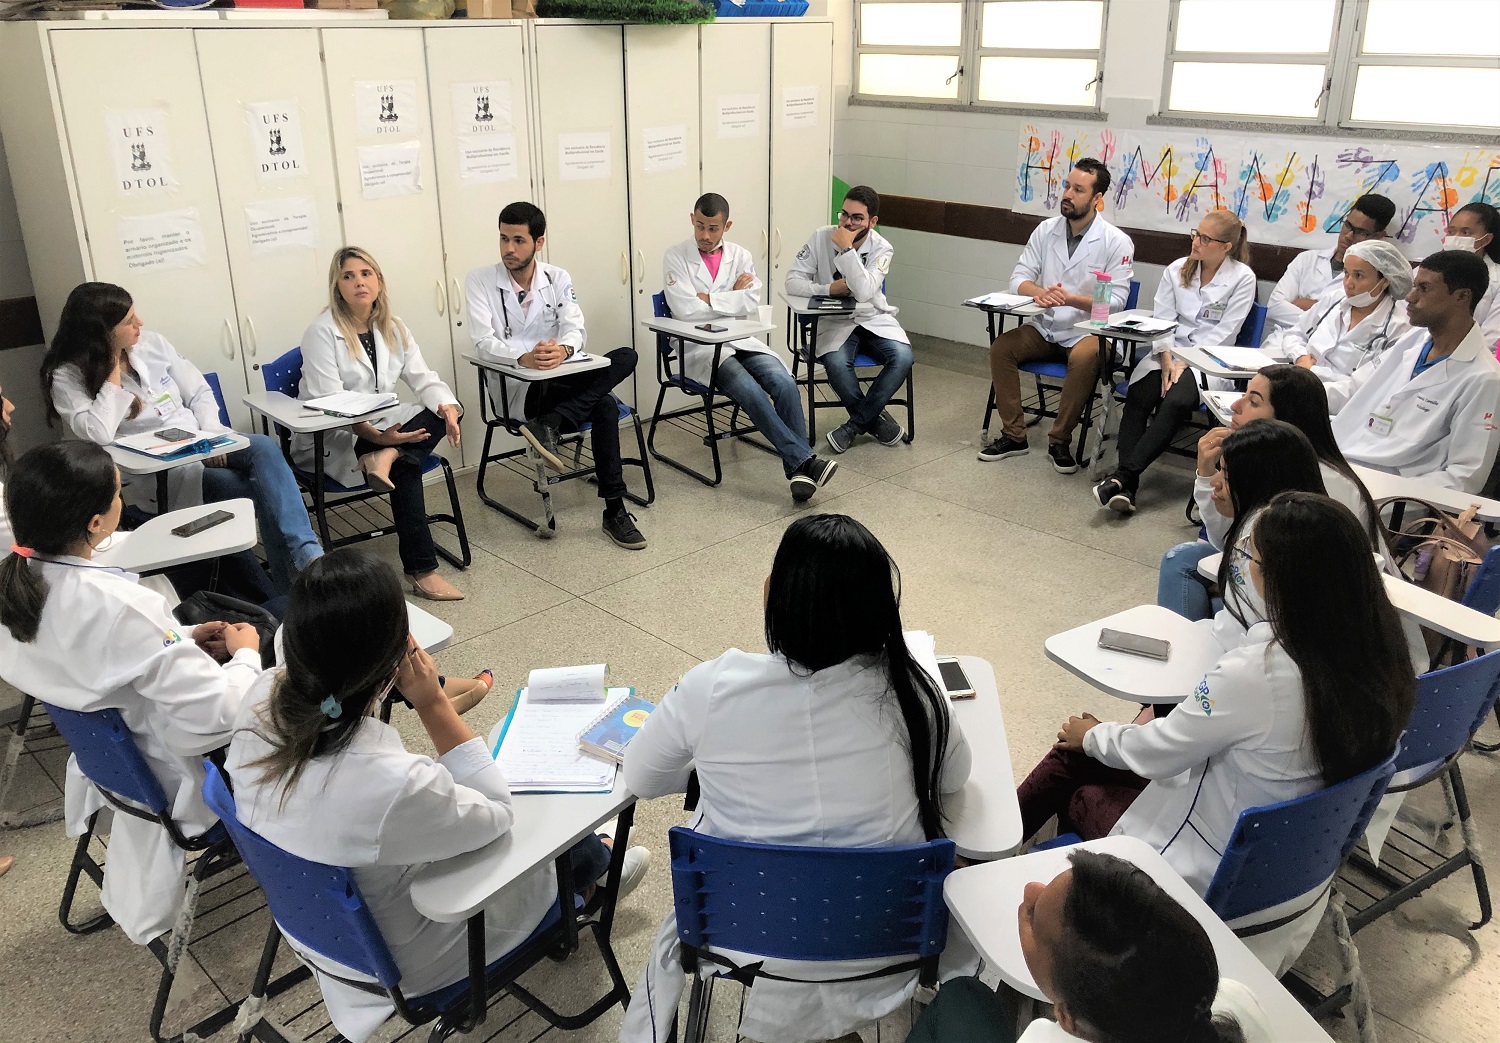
(317,773)
(1317,691)
(88,637)
(1476,227)
(833,739)
(106,377)
(1208,293)
(359,344)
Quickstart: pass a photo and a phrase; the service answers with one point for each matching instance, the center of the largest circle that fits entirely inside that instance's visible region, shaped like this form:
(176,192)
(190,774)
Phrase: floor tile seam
(636,626)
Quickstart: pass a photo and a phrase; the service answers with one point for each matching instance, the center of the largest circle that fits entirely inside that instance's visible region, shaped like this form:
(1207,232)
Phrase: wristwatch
(571,350)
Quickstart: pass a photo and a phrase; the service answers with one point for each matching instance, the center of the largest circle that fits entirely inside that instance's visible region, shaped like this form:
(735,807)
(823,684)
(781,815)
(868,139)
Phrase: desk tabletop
(683,329)
(1383,485)
(152,547)
(1030,308)
(293,415)
(1098,330)
(984,900)
(519,372)
(803,306)
(432,633)
(984,817)
(1206,362)
(1219,403)
(139,463)
(1136,678)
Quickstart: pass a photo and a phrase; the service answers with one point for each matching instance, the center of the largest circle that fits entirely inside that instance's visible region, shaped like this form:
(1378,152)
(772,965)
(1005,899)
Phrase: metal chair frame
(802,340)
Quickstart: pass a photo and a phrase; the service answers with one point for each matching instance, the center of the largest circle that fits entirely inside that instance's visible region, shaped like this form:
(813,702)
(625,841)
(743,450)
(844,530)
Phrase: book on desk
(158,447)
(835,305)
(538,746)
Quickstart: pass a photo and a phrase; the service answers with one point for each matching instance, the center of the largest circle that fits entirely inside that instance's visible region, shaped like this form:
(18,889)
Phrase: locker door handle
(252,342)
(456,304)
(625,267)
(640,276)
(765,244)
(228,339)
(442,301)
(777,255)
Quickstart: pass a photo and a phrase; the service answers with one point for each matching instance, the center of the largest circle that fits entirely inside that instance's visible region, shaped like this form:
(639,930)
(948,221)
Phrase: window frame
(969,54)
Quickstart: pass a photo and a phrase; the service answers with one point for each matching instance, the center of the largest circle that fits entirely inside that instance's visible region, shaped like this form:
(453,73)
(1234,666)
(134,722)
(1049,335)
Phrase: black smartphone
(197,525)
(1135,644)
(956,683)
(709,327)
(176,434)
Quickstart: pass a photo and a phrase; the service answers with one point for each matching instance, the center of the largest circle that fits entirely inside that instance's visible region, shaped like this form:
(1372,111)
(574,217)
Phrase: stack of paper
(1000,300)
(351,403)
(538,748)
(923,648)
(568,684)
(1231,357)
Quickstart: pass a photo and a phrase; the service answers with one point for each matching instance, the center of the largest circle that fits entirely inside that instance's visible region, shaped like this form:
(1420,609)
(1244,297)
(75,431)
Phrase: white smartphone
(1135,644)
(956,683)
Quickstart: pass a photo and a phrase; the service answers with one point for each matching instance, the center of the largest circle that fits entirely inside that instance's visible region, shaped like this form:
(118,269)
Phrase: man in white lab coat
(524,312)
(851,259)
(1057,271)
(1427,409)
(708,278)
(1314,272)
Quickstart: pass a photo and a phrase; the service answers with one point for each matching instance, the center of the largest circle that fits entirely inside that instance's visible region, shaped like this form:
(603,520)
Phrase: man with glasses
(850,259)
(1314,272)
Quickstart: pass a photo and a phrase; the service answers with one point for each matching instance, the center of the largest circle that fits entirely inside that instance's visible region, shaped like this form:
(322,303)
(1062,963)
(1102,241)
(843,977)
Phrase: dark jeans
(965,1011)
(585,397)
(895,363)
(408,507)
(1087,797)
(1149,422)
(590,860)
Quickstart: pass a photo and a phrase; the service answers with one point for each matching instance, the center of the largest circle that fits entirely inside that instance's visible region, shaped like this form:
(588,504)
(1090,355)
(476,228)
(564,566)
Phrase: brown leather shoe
(435,588)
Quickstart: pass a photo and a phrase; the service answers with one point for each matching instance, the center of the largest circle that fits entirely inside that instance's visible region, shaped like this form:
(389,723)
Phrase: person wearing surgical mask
(1353,323)
(1476,228)
(1313,273)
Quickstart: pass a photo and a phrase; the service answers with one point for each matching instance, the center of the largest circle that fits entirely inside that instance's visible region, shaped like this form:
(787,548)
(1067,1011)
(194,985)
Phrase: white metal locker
(736,97)
(801,137)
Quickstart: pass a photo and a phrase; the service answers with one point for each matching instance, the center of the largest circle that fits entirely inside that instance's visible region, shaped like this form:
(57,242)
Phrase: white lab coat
(385,813)
(1206,316)
(1336,349)
(1233,999)
(329,366)
(1441,425)
(1045,261)
(104,642)
(173,393)
(1310,275)
(784,758)
(864,269)
(503,330)
(684,276)
(1217,525)
(1487,311)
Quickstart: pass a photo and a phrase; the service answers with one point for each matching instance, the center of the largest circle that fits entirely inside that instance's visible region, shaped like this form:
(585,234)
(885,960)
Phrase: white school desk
(134,463)
(1203,360)
(1136,678)
(806,347)
(431,632)
(1219,403)
(683,329)
(293,414)
(984,817)
(1113,344)
(516,371)
(1383,485)
(994,314)
(1448,618)
(984,900)
(152,547)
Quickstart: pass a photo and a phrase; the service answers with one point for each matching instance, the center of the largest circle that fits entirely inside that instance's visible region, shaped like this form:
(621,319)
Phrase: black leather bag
(208,606)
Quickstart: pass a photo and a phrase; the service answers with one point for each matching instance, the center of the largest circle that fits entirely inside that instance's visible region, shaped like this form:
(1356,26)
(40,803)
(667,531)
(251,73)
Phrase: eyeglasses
(1200,237)
(1242,551)
(853,219)
(1359,235)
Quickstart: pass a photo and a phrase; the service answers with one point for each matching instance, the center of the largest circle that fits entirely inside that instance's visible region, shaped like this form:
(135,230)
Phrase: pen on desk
(1215,358)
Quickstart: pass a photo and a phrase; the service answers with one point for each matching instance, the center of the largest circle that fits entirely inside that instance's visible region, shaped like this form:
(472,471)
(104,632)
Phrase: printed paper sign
(390,170)
(386,108)
(276,139)
(481,108)
(492,159)
(282,224)
(140,141)
(665,148)
(739,116)
(154,242)
(584,157)
(799,107)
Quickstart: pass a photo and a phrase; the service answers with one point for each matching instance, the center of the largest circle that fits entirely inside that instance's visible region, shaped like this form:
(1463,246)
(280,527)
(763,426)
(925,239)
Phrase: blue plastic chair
(108,756)
(284,374)
(670,374)
(1253,328)
(320,908)
(214,386)
(1483,596)
(804,903)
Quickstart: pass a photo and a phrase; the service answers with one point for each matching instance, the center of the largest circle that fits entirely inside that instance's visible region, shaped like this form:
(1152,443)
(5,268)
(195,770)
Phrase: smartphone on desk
(709,327)
(197,525)
(956,683)
(176,434)
(1135,644)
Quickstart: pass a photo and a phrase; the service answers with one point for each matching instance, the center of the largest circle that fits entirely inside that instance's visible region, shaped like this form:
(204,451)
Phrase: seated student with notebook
(1121,961)
(836,738)
(89,637)
(316,773)
(708,278)
(524,312)
(107,378)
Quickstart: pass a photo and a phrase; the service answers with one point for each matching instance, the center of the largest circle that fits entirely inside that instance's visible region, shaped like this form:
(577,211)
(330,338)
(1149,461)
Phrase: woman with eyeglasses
(1208,293)
(1313,273)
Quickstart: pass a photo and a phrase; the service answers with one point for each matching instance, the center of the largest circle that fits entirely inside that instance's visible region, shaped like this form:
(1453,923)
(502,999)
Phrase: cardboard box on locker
(489,9)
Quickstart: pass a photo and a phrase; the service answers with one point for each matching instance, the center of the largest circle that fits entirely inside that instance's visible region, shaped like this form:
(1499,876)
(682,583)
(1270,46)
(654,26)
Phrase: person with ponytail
(1120,960)
(317,773)
(88,637)
(835,738)
(1208,293)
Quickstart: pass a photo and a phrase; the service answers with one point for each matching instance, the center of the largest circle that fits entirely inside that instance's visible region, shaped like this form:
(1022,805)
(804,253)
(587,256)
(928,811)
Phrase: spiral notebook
(609,733)
(538,747)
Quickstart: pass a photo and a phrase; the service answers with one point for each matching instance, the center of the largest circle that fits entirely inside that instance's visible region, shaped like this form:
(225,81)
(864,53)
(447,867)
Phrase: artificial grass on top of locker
(646,12)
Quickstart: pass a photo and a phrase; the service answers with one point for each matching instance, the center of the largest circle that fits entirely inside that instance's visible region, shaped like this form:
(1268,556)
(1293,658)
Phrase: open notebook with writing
(538,747)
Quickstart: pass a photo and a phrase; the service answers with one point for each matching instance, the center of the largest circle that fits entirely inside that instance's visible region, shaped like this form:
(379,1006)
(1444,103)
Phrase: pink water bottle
(1100,311)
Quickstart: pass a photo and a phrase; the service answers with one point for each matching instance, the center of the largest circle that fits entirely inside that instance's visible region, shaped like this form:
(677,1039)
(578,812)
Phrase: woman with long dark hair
(1475,227)
(835,738)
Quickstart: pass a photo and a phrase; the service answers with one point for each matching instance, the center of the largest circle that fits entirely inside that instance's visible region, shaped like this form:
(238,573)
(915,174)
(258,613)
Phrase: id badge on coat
(1212,312)
(163,405)
(1380,425)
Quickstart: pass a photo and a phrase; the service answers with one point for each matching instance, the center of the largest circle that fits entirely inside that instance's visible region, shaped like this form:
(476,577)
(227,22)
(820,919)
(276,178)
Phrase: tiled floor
(994,557)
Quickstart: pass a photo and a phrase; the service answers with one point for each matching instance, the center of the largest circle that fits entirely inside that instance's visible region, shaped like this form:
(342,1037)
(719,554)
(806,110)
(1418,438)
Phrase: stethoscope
(1380,341)
(520,299)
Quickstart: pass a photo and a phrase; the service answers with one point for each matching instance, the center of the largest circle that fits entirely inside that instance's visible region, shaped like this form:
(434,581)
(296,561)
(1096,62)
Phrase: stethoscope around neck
(520,300)
(1380,341)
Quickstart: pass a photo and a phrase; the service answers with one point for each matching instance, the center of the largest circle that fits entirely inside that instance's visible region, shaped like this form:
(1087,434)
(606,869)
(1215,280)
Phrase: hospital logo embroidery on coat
(1201,694)
(803,254)
(170,638)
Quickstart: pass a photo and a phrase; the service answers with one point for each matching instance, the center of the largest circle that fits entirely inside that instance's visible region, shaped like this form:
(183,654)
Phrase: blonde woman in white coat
(1208,293)
(834,739)
(359,344)
(88,637)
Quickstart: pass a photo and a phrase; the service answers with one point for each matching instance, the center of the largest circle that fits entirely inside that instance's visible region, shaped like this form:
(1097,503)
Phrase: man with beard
(524,312)
(1057,271)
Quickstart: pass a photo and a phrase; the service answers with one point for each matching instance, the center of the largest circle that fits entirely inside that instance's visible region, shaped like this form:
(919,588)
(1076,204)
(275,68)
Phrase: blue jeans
(895,361)
(1178,585)
(261,473)
(749,378)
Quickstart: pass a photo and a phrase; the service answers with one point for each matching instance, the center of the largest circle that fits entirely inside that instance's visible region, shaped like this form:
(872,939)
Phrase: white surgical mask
(1364,300)
(1459,242)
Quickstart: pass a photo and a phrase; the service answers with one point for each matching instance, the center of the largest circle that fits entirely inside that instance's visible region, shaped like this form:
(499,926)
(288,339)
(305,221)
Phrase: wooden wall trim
(20,323)
(1002,225)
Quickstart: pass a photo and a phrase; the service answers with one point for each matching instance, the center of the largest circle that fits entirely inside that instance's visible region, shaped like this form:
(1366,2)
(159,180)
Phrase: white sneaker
(637,863)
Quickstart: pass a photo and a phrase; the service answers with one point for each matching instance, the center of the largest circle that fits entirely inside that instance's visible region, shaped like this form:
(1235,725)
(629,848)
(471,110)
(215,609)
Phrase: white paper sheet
(1239,358)
(153,242)
(923,648)
(487,159)
(481,107)
(739,115)
(665,148)
(568,684)
(276,148)
(1002,300)
(386,108)
(390,170)
(282,224)
(540,752)
(140,141)
(584,156)
(799,107)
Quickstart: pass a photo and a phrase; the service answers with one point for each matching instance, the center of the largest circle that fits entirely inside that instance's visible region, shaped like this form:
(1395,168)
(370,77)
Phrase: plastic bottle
(1100,310)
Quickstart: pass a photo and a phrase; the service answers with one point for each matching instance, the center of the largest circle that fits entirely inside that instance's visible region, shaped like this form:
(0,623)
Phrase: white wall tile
(921,179)
(921,141)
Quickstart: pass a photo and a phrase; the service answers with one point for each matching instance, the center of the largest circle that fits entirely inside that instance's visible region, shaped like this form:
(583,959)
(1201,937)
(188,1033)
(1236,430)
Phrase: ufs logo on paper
(138,161)
(482,113)
(388,109)
(277,148)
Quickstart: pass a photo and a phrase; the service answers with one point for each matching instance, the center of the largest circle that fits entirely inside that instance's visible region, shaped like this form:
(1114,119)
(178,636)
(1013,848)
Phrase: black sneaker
(842,437)
(810,477)
(1062,460)
(1003,448)
(1112,493)
(886,430)
(620,526)
(545,437)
